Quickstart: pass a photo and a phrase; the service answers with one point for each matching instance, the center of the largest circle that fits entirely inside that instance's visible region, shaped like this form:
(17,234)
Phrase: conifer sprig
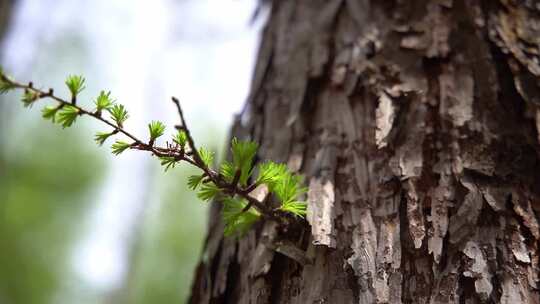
(5,84)
(180,138)
(232,184)
(104,101)
(29,97)
(67,115)
(75,84)
(49,113)
(101,137)
(156,129)
(119,114)
(119,146)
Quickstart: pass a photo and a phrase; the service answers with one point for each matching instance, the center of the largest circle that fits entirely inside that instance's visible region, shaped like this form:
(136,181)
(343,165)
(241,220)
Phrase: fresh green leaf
(75,84)
(118,113)
(180,138)
(243,153)
(295,207)
(49,112)
(285,185)
(208,191)
(237,222)
(232,206)
(119,147)
(228,171)
(101,137)
(5,84)
(67,115)
(156,128)
(194,181)
(206,156)
(29,97)
(168,162)
(288,188)
(104,101)
(270,173)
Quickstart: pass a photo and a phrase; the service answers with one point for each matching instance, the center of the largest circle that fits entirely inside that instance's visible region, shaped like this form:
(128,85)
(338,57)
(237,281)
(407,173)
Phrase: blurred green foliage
(49,178)
(48,183)
(172,236)
(43,188)
(170,244)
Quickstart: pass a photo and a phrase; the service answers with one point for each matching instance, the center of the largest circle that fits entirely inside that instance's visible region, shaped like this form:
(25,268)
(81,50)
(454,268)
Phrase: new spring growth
(75,84)
(156,129)
(230,183)
(104,101)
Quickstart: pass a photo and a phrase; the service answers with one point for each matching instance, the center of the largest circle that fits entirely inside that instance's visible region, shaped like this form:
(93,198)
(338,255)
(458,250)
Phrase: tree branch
(176,153)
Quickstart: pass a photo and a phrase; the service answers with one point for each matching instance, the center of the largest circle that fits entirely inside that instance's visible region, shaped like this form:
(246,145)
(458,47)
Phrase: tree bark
(416,126)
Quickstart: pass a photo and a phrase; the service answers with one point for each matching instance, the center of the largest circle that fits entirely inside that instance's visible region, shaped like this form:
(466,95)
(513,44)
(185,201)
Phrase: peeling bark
(417,127)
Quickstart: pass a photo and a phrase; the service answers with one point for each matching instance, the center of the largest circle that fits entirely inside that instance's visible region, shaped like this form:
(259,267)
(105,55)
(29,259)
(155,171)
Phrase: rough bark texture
(416,124)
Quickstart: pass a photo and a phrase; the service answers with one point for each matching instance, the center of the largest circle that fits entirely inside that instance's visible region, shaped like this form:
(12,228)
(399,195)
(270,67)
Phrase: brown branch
(216,178)
(250,188)
(178,154)
(50,94)
(236,178)
(184,127)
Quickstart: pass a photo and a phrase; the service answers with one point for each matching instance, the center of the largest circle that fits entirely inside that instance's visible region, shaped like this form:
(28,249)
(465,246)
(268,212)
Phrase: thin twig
(177,154)
(184,127)
(250,188)
(49,94)
(216,178)
(236,178)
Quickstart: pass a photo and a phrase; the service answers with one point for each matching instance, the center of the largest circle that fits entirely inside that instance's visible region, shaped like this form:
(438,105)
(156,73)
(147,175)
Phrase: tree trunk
(5,12)
(415,124)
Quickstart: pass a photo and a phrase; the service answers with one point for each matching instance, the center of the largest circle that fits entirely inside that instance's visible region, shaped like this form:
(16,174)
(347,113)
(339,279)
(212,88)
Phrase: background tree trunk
(416,125)
(5,12)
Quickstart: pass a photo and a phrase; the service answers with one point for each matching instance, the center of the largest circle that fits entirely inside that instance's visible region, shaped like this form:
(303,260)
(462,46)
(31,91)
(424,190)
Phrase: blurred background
(78,225)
